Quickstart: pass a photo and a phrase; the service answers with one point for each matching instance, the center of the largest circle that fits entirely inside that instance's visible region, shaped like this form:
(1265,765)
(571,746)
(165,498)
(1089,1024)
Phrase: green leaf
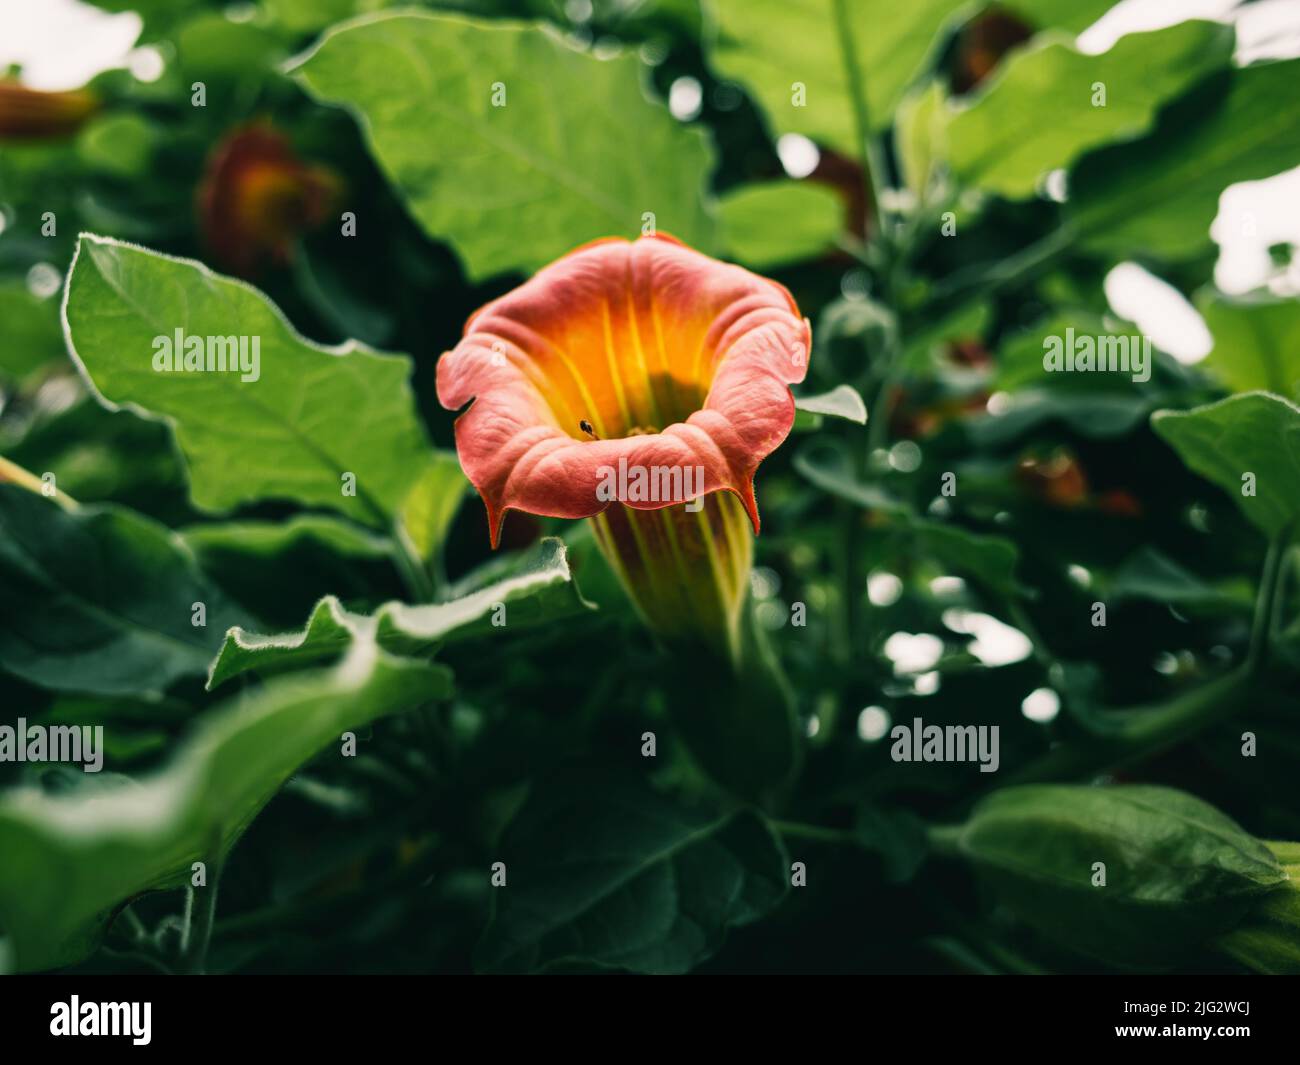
(826,463)
(279,570)
(100,599)
(1072,15)
(565,156)
(779,222)
(920,129)
(71,861)
(1177,871)
(1255,433)
(120,144)
(1149,574)
(311,416)
(1093,414)
(1038,112)
(842,401)
(774,46)
(1254,343)
(30,337)
(604,874)
(988,559)
(1157,197)
(431,505)
(540,593)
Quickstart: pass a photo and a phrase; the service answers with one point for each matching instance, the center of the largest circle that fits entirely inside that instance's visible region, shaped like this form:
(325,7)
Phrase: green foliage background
(369,614)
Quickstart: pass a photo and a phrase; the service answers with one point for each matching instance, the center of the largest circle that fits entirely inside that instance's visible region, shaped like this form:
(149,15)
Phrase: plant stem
(867,153)
(980,282)
(1266,597)
(944,839)
(1125,736)
(198,934)
(817,833)
(419,585)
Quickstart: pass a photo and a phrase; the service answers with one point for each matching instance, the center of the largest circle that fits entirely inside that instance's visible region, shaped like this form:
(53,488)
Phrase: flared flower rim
(590,367)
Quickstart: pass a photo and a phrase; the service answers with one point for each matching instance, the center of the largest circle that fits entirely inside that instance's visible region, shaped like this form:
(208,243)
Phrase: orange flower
(29,114)
(621,382)
(257,196)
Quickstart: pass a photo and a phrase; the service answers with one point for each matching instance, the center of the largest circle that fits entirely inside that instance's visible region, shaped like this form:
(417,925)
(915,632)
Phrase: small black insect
(585,426)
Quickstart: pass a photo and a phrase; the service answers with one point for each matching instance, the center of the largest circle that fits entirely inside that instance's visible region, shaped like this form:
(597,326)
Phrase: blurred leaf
(312,415)
(842,401)
(1256,433)
(1020,356)
(774,46)
(541,593)
(826,464)
(120,144)
(30,336)
(431,505)
(1177,871)
(1157,196)
(568,148)
(1149,574)
(279,570)
(70,862)
(898,836)
(312,16)
(1072,15)
(990,560)
(100,599)
(779,222)
(1254,343)
(1038,114)
(1092,414)
(212,47)
(919,135)
(604,874)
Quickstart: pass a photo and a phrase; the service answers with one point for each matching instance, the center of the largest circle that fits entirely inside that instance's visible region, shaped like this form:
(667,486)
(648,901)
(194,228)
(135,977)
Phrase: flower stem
(1266,598)
(817,833)
(419,585)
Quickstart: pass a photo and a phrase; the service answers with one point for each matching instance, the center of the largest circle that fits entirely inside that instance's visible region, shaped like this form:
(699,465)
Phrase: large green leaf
(1254,343)
(430,507)
(773,47)
(1158,196)
(311,416)
(100,599)
(779,222)
(1176,870)
(71,860)
(1072,15)
(507,141)
(279,570)
(604,874)
(1038,113)
(541,592)
(1255,433)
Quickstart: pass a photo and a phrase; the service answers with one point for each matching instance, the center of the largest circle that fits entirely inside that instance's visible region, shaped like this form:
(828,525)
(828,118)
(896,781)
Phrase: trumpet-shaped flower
(639,384)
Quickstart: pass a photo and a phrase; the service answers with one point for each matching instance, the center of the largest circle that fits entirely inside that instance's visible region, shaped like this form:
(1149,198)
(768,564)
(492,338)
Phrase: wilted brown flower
(30,114)
(257,197)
